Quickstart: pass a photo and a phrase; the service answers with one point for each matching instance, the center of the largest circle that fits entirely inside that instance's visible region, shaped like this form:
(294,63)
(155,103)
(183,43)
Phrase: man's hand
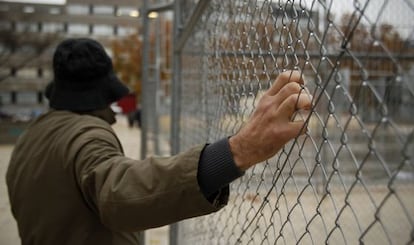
(271,126)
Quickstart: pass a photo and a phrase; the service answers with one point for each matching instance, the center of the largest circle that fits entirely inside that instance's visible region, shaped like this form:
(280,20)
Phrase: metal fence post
(145,95)
(145,62)
(175,105)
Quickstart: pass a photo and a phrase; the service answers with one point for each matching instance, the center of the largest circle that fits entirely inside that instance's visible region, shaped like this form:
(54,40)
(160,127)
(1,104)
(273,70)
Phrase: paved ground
(8,230)
(130,139)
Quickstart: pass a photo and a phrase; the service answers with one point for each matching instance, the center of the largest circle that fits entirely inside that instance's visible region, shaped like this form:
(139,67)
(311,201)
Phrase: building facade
(30,33)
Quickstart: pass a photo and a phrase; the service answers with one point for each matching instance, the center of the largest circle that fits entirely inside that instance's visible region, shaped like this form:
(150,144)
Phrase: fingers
(286,91)
(294,112)
(271,124)
(283,79)
(297,128)
(294,102)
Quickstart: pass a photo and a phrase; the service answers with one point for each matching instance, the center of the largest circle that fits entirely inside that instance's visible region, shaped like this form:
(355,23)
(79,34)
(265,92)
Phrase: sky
(398,13)
(38,1)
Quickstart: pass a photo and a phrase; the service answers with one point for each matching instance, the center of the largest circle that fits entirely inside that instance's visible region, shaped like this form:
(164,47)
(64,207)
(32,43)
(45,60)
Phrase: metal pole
(180,36)
(144,83)
(190,25)
(176,83)
(144,80)
(157,81)
(175,104)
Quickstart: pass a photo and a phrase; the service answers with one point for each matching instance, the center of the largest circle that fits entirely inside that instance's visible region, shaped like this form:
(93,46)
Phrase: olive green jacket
(69,183)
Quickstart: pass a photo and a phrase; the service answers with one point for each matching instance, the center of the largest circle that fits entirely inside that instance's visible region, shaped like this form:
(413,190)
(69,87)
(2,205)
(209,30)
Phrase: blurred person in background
(134,117)
(70,183)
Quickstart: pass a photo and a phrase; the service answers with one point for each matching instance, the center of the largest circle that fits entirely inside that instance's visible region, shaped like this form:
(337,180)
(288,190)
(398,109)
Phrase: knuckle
(293,99)
(293,88)
(285,75)
(264,104)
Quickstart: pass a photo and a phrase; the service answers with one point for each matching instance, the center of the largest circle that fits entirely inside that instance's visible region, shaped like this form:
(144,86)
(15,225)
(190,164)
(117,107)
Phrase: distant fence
(350,179)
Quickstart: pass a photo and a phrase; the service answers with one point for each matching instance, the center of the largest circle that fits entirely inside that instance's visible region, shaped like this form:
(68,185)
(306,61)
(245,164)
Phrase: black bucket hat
(84,79)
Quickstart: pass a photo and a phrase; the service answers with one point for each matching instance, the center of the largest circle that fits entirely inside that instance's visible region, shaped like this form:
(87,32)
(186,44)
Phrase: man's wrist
(239,158)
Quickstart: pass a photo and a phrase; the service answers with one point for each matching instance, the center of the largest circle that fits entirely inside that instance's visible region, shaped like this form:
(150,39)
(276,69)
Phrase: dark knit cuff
(216,168)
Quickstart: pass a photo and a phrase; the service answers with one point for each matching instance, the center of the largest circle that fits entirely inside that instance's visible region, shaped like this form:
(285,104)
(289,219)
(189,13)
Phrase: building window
(77,9)
(28,72)
(26,27)
(27,98)
(127,11)
(80,29)
(104,30)
(55,11)
(103,10)
(29,9)
(125,31)
(52,27)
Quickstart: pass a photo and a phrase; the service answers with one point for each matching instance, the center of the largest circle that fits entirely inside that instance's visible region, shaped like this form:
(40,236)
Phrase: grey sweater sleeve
(216,168)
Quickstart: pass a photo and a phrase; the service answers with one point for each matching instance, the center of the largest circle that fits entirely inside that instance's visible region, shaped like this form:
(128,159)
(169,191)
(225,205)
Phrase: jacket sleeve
(132,195)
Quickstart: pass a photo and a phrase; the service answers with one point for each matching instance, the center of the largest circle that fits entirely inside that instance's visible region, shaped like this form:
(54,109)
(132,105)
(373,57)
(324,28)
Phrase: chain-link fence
(350,179)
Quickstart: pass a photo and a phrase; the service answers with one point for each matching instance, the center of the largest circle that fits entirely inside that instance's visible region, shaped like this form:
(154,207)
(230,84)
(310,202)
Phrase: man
(69,182)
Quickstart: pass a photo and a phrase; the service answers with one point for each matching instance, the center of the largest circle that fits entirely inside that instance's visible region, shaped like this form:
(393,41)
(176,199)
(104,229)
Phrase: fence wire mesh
(350,178)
